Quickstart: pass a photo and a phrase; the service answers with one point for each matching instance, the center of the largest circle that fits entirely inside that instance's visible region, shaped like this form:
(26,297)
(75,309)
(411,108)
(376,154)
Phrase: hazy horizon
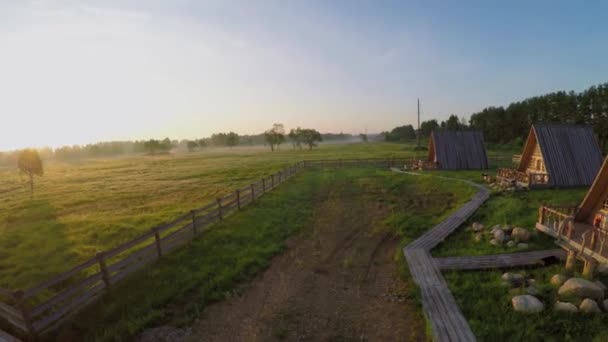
(78,72)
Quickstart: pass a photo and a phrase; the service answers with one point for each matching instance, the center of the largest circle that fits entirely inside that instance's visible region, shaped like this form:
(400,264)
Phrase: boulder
(589,306)
(522,245)
(600,285)
(515,279)
(581,288)
(511,244)
(477,227)
(520,234)
(527,304)
(558,279)
(478,237)
(565,307)
(495,242)
(532,291)
(495,228)
(499,236)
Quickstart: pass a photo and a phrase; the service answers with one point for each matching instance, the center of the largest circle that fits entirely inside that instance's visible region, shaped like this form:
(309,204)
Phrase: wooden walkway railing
(498,260)
(446,319)
(46,305)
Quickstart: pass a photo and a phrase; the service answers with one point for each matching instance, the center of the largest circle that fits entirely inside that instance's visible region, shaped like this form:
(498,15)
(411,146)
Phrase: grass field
(84,207)
(176,289)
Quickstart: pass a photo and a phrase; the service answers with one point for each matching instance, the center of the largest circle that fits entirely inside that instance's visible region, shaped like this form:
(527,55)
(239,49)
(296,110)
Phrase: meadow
(86,206)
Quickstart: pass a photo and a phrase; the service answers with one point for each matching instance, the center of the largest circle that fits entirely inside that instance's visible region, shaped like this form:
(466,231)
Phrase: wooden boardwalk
(498,261)
(446,319)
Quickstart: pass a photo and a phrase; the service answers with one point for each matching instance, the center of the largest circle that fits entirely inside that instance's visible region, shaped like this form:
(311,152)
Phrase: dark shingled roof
(458,150)
(571,154)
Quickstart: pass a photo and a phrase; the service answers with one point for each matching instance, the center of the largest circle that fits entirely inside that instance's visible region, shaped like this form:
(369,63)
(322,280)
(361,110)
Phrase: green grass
(518,209)
(487,305)
(88,206)
(176,289)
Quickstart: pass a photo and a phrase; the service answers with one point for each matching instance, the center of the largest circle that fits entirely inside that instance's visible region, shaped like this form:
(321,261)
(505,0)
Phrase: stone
(531,282)
(477,227)
(589,306)
(602,269)
(600,285)
(522,245)
(515,279)
(495,242)
(478,237)
(532,291)
(499,236)
(495,228)
(581,288)
(527,304)
(558,279)
(520,234)
(511,244)
(565,307)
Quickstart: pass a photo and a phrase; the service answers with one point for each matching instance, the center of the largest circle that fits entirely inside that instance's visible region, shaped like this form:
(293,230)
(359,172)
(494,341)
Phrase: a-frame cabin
(457,150)
(557,155)
(582,230)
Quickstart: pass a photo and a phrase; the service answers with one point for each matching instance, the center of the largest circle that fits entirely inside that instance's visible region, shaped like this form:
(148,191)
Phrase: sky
(75,72)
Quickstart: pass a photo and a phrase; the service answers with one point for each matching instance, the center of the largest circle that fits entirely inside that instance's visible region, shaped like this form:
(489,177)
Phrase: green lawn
(517,209)
(487,306)
(84,207)
(176,289)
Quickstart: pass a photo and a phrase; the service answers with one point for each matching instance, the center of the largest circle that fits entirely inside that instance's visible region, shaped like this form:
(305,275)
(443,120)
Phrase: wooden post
(252,192)
(27,319)
(105,275)
(570,260)
(540,215)
(593,240)
(570,229)
(159,249)
(589,268)
(193,213)
(219,208)
(238,199)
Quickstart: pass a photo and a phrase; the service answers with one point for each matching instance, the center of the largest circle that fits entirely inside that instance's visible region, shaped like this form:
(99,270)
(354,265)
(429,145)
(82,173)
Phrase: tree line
(408,132)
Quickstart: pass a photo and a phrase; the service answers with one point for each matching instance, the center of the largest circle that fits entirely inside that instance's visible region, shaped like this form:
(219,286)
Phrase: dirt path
(339,281)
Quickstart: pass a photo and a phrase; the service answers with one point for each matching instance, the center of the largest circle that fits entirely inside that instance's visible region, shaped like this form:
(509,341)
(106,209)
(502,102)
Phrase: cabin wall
(536,163)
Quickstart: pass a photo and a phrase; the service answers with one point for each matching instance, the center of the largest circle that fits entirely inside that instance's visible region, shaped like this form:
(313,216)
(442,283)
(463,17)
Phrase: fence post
(18,296)
(159,250)
(219,208)
(105,275)
(252,193)
(238,199)
(193,213)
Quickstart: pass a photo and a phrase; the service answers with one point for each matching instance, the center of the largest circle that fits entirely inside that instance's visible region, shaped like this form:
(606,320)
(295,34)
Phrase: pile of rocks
(574,294)
(504,186)
(502,235)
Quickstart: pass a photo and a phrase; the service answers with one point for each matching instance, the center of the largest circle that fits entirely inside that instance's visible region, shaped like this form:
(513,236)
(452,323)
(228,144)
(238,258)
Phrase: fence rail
(46,305)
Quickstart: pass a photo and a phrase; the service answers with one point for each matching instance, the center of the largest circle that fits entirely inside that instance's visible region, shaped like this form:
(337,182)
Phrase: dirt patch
(339,281)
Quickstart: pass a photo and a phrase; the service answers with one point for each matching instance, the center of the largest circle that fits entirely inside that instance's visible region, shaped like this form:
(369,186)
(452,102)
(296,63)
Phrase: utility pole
(418,101)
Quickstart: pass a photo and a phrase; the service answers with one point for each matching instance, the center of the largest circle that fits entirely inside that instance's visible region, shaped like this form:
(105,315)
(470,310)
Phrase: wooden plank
(146,252)
(48,283)
(6,337)
(7,311)
(65,294)
(130,244)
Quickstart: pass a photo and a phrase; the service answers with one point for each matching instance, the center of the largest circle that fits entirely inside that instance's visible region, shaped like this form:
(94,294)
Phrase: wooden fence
(46,305)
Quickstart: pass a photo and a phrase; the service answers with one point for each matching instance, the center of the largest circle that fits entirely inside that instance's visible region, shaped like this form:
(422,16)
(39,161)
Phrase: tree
(232,139)
(401,133)
(275,136)
(295,136)
(426,127)
(191,145)
(29,163)
(152,145)
(310,137)
(363,137)
(202,143)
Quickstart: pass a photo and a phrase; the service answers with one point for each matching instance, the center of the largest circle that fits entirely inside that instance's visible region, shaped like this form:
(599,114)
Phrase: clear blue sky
(85,71)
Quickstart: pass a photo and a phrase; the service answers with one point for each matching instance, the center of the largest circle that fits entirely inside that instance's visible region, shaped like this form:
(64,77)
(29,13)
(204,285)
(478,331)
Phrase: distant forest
(511,124)
(153,146)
